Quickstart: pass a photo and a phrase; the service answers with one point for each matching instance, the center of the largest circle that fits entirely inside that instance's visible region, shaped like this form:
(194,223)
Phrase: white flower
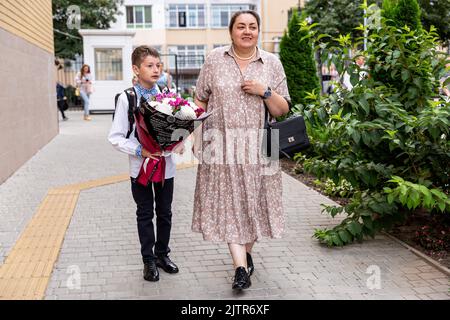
(186,113)
(164,108)
(154,104)
(193,105)
(167,100)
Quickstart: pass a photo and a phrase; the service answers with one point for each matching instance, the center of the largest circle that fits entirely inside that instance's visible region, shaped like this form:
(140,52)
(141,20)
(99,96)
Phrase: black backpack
(132,105)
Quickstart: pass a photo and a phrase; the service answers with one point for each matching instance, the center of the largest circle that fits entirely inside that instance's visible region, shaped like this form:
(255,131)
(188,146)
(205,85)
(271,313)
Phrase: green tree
(95,14)
(403,12)
(436,13)
(296,55)
(337,17)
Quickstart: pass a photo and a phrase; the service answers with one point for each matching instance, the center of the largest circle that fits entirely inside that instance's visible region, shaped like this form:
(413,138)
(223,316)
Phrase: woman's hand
(179,149)
(254,87)
(147,154)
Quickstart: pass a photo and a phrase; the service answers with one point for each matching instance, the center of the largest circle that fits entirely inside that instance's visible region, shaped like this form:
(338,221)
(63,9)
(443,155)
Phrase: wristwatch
(267,93)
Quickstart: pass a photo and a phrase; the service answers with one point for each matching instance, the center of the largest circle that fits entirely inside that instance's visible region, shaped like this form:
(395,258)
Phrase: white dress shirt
(117,137)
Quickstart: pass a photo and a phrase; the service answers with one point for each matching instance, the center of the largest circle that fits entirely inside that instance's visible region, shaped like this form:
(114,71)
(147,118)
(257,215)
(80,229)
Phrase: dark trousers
(144,198)
(60,104)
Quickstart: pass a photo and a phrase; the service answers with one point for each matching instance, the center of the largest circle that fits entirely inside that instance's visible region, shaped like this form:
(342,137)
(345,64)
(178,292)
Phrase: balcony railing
(190,61)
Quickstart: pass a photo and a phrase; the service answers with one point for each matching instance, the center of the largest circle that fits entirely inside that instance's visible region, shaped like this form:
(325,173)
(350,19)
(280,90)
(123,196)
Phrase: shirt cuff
(139,151)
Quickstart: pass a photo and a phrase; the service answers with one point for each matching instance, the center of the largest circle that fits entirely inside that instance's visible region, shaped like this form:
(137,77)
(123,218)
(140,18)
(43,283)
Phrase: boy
(146,67)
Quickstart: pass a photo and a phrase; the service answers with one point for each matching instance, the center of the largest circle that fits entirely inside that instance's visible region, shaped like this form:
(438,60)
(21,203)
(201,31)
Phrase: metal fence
(184,69)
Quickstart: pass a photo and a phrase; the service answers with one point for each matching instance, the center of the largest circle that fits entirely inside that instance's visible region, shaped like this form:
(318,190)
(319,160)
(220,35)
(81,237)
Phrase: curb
(429,260)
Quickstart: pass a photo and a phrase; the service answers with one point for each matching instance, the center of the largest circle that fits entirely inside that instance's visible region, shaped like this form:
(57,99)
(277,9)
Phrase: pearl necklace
(240,58)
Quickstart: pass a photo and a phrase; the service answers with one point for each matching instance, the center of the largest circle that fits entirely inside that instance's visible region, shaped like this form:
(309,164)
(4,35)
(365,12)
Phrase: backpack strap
(132,106)
(162,88)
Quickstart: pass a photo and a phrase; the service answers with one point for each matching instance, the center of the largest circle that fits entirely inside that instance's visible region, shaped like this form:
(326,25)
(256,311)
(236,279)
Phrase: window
(186,16)
(221,14)
(108,64)
(188,57)
(139,17)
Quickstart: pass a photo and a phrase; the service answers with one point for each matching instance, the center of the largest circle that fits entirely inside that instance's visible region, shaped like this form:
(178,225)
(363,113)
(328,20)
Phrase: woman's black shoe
(241,279)
(250,266)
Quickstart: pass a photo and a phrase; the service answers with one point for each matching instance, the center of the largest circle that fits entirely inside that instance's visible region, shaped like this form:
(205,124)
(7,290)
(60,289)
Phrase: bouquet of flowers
(158,120)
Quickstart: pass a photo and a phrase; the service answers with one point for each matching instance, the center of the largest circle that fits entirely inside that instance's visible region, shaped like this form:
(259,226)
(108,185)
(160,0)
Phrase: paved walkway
(98,255)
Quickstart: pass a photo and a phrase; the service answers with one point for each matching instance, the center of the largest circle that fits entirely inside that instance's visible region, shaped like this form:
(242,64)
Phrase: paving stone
(102,237)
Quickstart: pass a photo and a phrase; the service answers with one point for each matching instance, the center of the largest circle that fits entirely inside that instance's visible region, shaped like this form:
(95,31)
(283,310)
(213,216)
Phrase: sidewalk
(100,256)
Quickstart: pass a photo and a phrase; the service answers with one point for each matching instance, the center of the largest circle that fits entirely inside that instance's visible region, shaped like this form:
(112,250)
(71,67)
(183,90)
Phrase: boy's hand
(147,154)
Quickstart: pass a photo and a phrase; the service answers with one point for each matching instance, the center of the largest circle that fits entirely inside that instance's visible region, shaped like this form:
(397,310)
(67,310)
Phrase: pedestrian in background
(83,81)
(445,90)
(165,80)
(61,100)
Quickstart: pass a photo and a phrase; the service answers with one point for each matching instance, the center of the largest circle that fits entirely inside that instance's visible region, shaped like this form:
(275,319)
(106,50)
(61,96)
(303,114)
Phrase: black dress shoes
(241,279)
(166,264)
(250,266)
(151,272)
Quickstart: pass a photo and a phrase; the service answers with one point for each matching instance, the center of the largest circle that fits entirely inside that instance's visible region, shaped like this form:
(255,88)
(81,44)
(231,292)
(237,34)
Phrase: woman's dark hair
(82,69)
(238,13)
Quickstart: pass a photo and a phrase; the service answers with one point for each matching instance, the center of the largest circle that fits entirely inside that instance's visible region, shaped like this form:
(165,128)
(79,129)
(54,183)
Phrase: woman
(84,83)
(239,201)
(445,90)
(165,80)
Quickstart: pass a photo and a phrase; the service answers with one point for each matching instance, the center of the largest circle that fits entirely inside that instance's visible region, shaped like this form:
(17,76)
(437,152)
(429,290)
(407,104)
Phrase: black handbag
(291,133)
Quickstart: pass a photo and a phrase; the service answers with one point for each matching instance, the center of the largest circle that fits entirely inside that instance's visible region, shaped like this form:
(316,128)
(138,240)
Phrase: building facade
(28,112)
(183,31)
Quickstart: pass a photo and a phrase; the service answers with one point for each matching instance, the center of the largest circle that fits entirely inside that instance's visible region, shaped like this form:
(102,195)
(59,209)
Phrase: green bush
(342,189)
(390,142)
(405,15)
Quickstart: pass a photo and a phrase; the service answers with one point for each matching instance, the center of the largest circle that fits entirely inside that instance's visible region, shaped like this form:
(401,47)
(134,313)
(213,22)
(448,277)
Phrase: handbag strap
(268,129)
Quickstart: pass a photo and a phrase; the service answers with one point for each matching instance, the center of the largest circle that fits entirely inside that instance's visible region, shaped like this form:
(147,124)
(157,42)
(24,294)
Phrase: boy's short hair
(141,52)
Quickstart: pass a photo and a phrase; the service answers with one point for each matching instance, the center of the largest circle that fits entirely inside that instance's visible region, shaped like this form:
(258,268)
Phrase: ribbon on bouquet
(152,170)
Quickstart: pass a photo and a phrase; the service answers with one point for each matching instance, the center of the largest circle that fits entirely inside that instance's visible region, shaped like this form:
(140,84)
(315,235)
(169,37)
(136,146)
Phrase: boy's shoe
(151,272)
(250,266)
(241,279)
(87,118)
(65,119)
(166,264)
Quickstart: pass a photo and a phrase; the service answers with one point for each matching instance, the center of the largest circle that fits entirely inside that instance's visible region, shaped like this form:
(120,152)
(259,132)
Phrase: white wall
(104,91)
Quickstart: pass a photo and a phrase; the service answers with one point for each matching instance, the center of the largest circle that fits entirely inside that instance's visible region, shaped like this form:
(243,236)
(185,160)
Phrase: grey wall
(28,112)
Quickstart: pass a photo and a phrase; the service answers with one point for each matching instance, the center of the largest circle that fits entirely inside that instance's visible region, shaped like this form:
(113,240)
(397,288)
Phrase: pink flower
(175,102)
